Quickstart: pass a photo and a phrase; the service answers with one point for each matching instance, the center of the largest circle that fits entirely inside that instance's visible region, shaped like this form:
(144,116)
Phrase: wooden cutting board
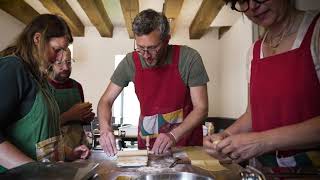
(202,159)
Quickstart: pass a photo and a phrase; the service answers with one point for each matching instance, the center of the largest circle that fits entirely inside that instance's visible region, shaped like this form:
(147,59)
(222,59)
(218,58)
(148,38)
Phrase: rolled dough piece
(132,153)
(132,158)
(132,161)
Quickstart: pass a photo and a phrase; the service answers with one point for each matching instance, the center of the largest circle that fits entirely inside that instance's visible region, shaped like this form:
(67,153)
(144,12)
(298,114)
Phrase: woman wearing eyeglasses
(281,125)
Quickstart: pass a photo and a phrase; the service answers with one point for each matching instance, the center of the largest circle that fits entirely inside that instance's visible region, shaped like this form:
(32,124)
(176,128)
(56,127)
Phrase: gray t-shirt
(191,68)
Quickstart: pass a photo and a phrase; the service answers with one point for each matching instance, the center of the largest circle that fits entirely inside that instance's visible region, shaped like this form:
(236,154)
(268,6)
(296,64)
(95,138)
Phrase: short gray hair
(149,20)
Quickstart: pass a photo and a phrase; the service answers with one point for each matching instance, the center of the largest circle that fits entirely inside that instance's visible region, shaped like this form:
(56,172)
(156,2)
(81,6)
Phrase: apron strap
(136,61)
(308,36)
(256,50)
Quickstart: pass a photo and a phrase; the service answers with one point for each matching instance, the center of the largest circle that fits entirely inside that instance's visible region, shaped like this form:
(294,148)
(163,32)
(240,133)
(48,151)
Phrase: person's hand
(108,142)
(89,117)
(210,145)
(162,144)
(79,111)
(244,146)
(81,152)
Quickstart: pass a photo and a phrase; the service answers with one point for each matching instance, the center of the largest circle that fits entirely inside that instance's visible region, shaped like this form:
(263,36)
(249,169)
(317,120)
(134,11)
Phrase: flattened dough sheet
(202,159)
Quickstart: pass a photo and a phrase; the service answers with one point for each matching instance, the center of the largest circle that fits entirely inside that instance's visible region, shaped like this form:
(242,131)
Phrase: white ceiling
(189,9)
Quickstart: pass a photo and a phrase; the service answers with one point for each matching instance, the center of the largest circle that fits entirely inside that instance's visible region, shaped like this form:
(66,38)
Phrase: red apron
(284,88)
(164,101)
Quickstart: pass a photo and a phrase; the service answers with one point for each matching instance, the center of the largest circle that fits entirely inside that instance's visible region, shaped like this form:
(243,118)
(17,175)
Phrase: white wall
(308,4)
(95,56)
(10,27)
(232,81)
(224,61)
(95,59)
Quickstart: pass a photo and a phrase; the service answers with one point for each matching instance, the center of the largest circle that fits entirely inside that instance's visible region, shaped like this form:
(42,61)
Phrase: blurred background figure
(69,95)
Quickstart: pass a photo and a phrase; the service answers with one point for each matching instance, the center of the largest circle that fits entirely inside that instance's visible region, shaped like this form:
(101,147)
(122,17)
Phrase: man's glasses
(243,5)
(150,50)
(67,63)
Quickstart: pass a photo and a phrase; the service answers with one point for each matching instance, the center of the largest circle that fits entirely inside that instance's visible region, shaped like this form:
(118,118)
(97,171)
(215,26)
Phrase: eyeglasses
(149,50)
(243,5)
(67,63)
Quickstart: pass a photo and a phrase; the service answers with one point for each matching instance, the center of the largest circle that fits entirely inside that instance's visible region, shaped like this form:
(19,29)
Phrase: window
(126,108)
(71,50)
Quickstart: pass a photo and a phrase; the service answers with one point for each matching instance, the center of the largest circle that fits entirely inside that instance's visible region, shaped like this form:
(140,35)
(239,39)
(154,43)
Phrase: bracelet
(172,137)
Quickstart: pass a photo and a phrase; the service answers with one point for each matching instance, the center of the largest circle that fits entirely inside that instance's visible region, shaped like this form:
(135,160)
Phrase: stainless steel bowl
(174,176)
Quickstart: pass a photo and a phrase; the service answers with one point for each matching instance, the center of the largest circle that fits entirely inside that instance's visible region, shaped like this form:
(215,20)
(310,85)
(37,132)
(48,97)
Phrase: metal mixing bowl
(174,176)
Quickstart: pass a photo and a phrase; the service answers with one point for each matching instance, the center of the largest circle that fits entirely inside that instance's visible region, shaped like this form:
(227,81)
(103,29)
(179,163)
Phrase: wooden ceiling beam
(208,10)
(130,8)
(98,16)
(62,8)
(171,9)
(19,9)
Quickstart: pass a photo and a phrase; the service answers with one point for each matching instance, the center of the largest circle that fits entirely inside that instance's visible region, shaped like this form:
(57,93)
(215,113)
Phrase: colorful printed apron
(285,90)
(38,134)
(73,133)
(164,101)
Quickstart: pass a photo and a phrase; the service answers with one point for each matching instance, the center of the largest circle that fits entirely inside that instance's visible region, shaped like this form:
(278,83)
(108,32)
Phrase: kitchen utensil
(174,162)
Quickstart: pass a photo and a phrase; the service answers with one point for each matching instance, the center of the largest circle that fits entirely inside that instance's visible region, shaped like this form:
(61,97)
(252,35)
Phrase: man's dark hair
(149,20)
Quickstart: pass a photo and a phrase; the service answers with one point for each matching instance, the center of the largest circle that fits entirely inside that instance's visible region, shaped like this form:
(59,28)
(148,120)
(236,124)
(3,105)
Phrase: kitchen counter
(101,165)
(107,168)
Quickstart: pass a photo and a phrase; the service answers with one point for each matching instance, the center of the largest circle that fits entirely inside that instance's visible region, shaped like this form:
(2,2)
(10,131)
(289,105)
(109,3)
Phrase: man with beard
(171,85)
(74,112)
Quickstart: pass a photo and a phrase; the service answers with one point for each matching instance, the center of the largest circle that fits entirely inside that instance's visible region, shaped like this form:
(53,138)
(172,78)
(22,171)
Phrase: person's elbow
(101,103)
(202,110)
(104,103)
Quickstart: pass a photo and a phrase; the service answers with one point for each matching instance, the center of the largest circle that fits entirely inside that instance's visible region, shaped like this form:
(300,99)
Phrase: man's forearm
(194,118)
(104,116)
(11,157)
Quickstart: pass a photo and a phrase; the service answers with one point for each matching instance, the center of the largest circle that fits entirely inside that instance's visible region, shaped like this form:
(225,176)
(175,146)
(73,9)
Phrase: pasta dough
(132,158)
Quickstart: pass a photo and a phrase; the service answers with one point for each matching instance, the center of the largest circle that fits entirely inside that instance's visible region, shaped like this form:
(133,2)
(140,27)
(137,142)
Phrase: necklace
(287,31)
(275,45)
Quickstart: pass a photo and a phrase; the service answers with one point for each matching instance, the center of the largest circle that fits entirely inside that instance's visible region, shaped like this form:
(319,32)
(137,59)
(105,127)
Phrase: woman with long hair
(29,115)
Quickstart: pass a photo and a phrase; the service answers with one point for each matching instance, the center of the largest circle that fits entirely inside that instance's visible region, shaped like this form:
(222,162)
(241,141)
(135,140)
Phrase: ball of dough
(215,142)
